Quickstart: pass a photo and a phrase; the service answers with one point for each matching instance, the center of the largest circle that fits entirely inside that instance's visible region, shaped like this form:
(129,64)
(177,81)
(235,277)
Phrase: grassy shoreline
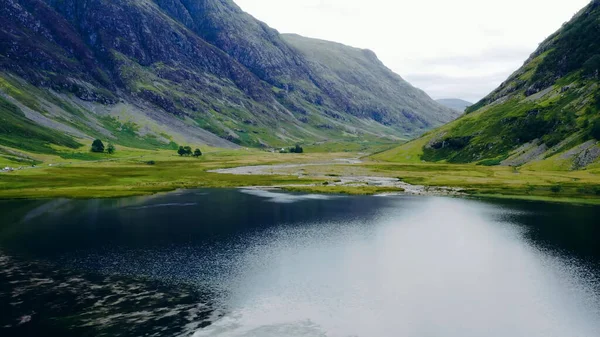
(148,172)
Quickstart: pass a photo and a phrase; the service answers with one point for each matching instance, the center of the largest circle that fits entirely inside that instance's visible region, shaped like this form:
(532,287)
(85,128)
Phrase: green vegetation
(297,149)
(127,134)
(574,47)
(495,181)
(541,122)
(97,146)
(111,149)
(17,131)
(543,116)
(184,151)
(135,172)
(128,175)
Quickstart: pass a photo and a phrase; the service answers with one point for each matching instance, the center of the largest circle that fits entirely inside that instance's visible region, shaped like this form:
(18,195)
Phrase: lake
(259,263)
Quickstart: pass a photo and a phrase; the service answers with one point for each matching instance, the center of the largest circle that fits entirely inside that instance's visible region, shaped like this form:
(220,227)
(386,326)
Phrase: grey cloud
(488,56)
(483,72)
(470,88)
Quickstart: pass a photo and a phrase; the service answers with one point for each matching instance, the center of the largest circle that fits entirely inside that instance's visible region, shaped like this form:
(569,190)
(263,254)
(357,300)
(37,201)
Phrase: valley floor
(139,172)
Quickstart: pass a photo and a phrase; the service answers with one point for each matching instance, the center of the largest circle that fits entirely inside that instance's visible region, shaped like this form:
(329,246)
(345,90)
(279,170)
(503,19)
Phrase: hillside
(545,115)
(454,103)
(150,74)
(368,85)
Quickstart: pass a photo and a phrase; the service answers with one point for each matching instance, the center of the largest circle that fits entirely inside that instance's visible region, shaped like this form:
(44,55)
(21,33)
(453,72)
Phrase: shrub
(111,148)
(556,188)
(184,151)
(297,149)
(490,162)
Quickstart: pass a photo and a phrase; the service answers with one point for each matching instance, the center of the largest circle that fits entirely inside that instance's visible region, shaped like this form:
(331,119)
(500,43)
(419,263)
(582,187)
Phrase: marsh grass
(128,173)
(126,176)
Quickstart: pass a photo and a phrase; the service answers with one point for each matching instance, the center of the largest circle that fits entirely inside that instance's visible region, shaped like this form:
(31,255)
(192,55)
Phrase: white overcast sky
(450,49)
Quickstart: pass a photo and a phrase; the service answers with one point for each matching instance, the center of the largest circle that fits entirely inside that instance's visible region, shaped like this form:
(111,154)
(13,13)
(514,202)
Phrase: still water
(256,263)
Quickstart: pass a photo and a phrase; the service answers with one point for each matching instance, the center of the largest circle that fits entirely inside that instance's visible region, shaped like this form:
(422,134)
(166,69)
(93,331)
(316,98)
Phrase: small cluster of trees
(98,147)
(187,151)
(295,149)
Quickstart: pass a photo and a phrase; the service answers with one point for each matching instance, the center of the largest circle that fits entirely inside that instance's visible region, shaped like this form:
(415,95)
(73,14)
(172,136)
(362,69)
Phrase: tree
(97,146)
(185,151)
(197,153)
(297,149)
(111,148)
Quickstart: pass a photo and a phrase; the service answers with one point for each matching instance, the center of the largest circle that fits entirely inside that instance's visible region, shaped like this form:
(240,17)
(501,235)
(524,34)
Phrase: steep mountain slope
(454,103)
(366,87)
(152,73)
(545,115)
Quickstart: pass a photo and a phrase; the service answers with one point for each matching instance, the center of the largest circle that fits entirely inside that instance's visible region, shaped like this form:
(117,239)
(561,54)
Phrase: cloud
(470,88)
(471,45)
(469,77)
(494,55)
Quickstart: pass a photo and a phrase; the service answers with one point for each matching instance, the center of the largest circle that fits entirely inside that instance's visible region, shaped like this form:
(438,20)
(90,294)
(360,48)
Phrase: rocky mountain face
(455,103)
(546,114)
(152,73)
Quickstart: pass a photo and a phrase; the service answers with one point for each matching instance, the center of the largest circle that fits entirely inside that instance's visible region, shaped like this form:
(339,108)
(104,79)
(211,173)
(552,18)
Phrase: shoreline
(322,175)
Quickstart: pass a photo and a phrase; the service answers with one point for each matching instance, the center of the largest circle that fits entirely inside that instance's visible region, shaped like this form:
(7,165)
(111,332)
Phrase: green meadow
(138,172)
(78,173)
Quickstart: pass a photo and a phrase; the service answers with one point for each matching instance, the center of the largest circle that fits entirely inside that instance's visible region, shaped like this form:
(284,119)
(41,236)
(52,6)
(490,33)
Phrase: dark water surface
(251,263)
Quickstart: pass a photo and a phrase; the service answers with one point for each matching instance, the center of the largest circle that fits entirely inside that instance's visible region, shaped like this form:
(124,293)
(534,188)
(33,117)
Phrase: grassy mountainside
(152,73)
(546,115)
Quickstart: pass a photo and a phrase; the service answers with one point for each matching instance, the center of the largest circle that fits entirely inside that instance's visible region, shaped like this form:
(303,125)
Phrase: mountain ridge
(160,72)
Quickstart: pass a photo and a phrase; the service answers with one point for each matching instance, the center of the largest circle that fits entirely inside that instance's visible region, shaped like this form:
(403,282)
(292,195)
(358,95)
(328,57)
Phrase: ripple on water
(331,266)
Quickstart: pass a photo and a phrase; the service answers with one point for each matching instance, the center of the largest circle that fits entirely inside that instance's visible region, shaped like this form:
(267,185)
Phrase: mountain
(363,83)
(454,103)
(546,114)
(153,73)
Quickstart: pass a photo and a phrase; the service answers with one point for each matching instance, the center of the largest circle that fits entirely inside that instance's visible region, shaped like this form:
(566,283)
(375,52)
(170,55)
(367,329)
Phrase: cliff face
(201,66)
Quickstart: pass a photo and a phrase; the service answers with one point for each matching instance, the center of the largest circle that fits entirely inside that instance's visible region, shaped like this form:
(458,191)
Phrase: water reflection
(441,268)
(295,265)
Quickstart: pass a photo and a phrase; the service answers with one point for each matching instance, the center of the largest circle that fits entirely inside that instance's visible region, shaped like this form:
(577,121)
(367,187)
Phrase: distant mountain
(454,103)
(152,73)
(359,81)
(546,114)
